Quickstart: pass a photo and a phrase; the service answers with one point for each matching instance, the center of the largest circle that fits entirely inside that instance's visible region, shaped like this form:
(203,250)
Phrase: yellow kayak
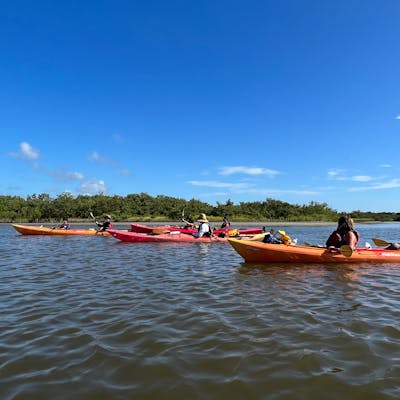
(43,230)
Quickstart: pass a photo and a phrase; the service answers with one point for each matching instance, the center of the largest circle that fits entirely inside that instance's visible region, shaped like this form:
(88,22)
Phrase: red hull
(150,229)
(137,237)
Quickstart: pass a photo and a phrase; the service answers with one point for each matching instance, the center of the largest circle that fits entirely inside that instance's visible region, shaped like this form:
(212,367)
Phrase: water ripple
(93,318)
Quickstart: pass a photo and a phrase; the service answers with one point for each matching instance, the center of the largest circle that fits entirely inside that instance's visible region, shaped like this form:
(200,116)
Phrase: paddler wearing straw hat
(204,227)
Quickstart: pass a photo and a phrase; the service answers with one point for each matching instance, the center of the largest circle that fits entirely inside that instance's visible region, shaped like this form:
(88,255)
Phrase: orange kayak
(259,252)
(43,230)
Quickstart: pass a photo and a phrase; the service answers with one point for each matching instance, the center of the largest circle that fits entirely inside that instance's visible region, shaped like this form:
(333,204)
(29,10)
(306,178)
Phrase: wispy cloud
(26,152)
(216,184)
(93,187)
(247,171)
(391,184)
(336,173)
(385,166)
(95,156)
(241,188)
(361,178)
(66,176)
(125,172)
(397,117)
(272,192)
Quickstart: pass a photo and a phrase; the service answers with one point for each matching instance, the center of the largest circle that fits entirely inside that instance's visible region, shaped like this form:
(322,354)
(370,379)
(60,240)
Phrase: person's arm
(352,239)
(188,224)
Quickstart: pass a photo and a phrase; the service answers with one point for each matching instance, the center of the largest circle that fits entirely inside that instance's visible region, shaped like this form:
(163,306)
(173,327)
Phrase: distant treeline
(143,207)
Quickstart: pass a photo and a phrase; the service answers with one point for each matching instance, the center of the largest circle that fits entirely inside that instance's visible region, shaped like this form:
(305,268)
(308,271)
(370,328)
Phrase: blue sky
(243,100)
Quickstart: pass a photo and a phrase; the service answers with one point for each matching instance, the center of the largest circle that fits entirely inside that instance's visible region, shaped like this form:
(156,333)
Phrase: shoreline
(213,223)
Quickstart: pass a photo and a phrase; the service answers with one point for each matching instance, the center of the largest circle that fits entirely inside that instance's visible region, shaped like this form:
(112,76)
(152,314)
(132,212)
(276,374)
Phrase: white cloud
(75,175)
(95,156)
(272,192)
(215,184)
(26,152)
(398,117)
(247,171)
(361,178)
(125,172)
(241,188)
(385,166)
(62,175)
(93,187)
(336,173)
(392,184)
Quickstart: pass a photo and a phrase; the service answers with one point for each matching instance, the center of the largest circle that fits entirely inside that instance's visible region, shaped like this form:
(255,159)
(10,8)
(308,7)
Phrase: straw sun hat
(202,218)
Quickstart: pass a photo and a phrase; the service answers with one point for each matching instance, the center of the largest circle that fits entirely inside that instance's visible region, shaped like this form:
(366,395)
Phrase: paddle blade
(380,242)
(91,214)
(346,250)
(259,237)
(159,231)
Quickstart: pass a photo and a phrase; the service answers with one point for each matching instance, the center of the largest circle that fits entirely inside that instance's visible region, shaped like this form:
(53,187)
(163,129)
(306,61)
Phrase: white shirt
(204,228)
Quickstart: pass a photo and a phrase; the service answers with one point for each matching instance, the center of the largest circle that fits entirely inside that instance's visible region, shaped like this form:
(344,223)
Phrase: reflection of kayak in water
(169,228)
(176,237)
(43,230)
(259,252)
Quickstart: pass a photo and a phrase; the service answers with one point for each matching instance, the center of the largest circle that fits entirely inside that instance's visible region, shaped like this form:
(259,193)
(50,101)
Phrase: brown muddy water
(94,318)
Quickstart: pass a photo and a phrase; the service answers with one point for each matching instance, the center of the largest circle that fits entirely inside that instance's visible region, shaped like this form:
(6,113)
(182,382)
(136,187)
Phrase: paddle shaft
(345,249)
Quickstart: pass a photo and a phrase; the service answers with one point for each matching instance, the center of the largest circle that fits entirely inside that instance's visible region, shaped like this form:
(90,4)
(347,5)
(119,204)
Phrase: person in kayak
(65,225)
(345,234)
(204,227)
(226,224)
(189,223)
(106,224)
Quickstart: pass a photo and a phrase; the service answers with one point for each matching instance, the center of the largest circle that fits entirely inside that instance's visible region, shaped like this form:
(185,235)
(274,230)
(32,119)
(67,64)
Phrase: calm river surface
(94,318)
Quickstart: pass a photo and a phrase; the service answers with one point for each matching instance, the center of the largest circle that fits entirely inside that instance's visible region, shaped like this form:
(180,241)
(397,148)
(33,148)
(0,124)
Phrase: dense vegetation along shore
(145,208)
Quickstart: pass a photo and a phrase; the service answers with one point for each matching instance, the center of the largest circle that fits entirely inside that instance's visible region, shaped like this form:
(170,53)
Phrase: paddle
(260,236)
(345,249)
(56,227)
(380,242)
(308,244)
(159,231)
(95,220)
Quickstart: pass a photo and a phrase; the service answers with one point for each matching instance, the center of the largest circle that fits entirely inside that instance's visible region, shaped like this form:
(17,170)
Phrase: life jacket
(286,239)
(337,240)
(206,234)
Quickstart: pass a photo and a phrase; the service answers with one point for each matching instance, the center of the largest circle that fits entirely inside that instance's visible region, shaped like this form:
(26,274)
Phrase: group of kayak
(254,245)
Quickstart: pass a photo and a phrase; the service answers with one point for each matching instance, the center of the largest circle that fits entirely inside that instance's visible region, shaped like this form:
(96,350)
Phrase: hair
(345,224)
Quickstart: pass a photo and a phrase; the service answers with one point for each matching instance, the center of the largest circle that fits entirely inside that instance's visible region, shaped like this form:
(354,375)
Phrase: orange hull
(43,230)
(258,252)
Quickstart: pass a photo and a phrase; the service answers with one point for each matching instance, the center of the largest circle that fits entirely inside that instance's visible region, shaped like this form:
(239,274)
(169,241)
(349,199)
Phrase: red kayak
(139,228)
(172,237)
